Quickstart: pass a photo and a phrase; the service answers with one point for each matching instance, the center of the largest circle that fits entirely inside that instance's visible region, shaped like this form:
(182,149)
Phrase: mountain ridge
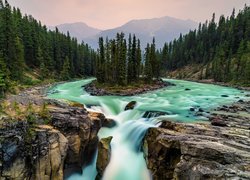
(164,29)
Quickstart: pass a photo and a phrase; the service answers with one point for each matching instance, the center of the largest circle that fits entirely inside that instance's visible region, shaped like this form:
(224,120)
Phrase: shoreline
(209,81)
(93,90)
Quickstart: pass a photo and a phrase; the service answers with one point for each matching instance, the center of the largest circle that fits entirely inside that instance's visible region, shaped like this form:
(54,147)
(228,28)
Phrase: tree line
(26,44)
(121,63)
(223,49)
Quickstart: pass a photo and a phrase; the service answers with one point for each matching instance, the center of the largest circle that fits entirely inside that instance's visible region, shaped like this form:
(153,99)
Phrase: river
(127,160)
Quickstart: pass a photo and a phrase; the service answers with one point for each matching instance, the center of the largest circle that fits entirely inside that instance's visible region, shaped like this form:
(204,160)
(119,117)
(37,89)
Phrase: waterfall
(174,103)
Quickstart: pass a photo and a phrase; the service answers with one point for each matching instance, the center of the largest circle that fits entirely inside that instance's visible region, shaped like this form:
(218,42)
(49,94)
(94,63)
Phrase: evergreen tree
(148,66)
(65,74)
(17,69)
(3,77)
(134,63)
(138,60)
(101,63)
(130,61)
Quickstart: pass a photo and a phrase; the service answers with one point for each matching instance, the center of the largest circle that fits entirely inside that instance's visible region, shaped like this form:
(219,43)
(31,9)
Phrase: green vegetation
(121,64)
(31,54)
(223,49)
(30,113)
(26,45)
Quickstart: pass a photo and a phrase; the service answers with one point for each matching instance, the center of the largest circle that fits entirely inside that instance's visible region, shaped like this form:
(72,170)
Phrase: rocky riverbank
(42,147)
(216,150)
(47,148)
(94,90)
(211,81)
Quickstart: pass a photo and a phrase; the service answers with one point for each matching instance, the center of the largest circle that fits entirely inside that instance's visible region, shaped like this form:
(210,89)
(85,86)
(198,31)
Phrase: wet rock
(187,89)
(130,106)
(110,123)
(217,121)
(150,114)
(224,96)
(104,154)
(201,110)
(192,109)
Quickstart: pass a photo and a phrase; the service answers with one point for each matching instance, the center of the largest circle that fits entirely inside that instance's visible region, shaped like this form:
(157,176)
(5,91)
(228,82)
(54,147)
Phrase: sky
(107,14)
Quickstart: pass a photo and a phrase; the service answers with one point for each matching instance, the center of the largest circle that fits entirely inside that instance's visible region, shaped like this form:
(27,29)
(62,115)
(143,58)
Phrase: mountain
(79,30)
(164,29)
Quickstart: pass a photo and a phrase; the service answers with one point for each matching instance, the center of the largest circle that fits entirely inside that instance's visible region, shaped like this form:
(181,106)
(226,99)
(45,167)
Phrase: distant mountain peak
(80,30)
(164,29)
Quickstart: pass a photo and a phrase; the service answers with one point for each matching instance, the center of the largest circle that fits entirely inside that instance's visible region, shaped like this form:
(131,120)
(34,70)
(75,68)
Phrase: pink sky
(106,14)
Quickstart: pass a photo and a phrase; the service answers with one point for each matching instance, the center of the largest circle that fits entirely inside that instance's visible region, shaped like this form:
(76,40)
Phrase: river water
(127,162)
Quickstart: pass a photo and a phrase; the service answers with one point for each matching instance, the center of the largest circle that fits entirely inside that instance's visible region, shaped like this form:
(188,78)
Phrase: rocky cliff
(42,149)
(202,151)
(32,154)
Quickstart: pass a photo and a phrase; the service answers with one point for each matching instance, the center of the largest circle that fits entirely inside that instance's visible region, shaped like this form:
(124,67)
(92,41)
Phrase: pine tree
(148,68)
(153,60)
(65,74)
(17,69)
(101,62)
(138,60)
(122,57)
(130,61)
(133,56)
(3,77)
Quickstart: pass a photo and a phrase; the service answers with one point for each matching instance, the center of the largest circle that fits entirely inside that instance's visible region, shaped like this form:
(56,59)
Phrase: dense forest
(26,45)
(222,48)
(120,63)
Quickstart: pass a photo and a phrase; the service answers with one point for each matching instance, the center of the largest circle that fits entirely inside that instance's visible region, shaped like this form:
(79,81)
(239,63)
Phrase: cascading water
(127,160)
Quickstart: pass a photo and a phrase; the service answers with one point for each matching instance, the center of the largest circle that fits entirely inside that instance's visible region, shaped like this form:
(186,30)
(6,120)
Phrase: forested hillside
(26,45)
(223,49)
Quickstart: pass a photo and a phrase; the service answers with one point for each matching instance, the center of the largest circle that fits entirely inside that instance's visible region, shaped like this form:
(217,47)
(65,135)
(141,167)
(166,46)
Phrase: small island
(121,71)
(97,89)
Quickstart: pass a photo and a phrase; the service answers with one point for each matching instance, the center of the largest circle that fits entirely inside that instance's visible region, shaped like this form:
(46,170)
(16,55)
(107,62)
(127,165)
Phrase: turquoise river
(127,162)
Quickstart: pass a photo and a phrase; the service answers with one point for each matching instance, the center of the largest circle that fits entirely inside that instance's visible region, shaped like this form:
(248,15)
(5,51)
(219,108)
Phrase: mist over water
(127,160)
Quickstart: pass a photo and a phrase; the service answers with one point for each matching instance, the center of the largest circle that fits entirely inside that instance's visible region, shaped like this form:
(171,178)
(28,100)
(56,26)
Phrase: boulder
(217,121)
(130,106)
(109,123)
(150,114)
(192,109)
(104,155)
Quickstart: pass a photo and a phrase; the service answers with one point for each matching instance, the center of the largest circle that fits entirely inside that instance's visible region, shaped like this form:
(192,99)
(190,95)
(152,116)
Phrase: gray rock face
(200,151)
(80,128)
(39,154)
(104,155)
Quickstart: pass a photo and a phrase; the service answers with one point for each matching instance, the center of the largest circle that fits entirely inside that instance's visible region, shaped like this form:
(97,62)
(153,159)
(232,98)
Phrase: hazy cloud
(111,13)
